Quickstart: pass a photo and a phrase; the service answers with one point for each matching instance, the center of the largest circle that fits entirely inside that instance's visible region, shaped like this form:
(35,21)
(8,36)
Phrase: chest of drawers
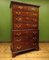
(25,27)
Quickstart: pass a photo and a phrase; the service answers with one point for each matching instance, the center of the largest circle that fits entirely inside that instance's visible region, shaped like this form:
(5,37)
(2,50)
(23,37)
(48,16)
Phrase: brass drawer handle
(27,12)
(27,18)
(20,7)
(18,19)
(34,25)
(18,12)
(18,47)
(34,38)
(35,20)
(18,40)
(34,32)
(18,25)
(33,9)
(18,34)
(34,14)
(28,24)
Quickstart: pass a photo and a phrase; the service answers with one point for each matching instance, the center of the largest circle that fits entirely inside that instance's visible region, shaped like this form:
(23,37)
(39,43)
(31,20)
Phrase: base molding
(14,53)
(43,41)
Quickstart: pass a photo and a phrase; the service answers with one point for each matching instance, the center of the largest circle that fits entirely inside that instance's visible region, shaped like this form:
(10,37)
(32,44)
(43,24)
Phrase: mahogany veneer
(25,27)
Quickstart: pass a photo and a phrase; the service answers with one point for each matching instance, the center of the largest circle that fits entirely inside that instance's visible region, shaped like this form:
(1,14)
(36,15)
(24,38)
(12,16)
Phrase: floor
(42,54)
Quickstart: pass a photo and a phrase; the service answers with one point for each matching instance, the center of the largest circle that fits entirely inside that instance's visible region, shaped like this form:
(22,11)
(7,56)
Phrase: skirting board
(10,41)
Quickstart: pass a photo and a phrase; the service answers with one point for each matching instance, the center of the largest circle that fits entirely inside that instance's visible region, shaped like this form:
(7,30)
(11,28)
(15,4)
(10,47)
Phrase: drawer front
(23,39)
(25,8)
(20,19)
(25,32)
(25,14)
(25,35)
(35,32)
(25,26)
(20,33)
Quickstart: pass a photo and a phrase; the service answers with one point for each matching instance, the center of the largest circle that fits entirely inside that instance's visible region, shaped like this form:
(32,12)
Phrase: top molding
(20,3)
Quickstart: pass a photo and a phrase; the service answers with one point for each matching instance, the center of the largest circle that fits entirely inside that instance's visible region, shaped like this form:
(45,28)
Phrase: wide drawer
(25,14)
(25,35)
(20,19)
(25,26)
(25,39)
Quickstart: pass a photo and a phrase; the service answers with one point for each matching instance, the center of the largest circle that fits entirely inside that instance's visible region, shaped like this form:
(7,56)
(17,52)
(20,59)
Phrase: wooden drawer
(25,8)
(25,34)
(23,39)
(20,33)
(25,14)
(35,32)
(25,26)
(20,19)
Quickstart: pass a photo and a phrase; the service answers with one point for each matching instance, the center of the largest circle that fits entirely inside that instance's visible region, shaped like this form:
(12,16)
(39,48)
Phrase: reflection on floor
(42,54)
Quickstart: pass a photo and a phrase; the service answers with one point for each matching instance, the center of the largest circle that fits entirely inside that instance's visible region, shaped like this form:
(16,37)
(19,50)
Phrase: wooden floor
(42,54)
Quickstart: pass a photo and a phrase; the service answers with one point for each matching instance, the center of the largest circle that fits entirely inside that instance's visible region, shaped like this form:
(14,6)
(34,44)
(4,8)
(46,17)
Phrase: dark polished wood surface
(25,29)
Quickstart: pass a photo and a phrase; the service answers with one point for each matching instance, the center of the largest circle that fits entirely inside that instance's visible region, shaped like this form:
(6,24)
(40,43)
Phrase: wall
(5,22)
(5,19)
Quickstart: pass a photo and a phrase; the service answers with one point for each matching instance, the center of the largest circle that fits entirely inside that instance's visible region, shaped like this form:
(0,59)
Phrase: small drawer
(33,39)
(18,7)
(18,47)
(18,40)
(36,33)
(25,8)
(19,33)
(35,9)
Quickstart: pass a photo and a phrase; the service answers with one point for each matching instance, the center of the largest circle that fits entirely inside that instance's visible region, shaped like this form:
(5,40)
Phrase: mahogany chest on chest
(25,27)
